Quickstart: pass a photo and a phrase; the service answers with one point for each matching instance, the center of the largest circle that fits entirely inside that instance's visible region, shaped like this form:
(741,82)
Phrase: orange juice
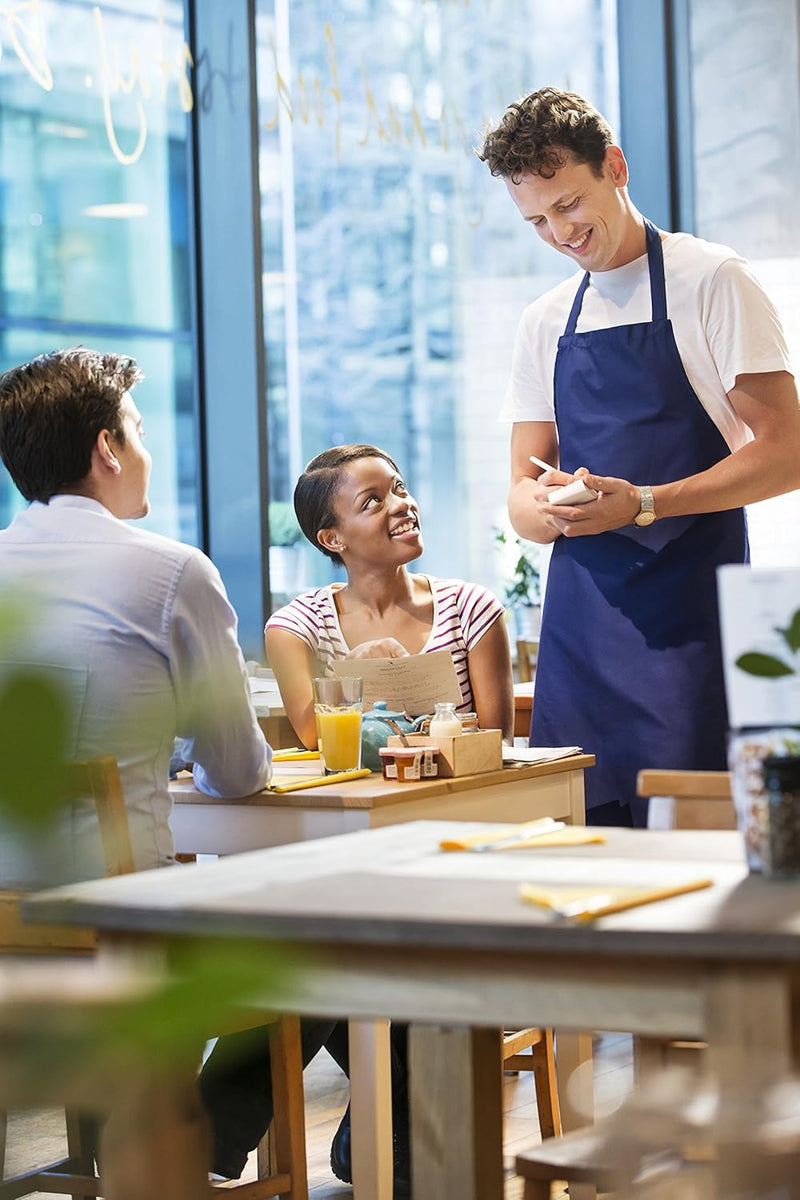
(339,735)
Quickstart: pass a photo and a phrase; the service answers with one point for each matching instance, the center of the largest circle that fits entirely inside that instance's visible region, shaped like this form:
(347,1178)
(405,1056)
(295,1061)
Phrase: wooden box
(469,754)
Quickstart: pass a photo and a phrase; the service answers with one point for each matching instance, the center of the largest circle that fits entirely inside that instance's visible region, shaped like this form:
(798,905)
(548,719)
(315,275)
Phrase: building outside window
(745,134)
(94,213)
(395,267)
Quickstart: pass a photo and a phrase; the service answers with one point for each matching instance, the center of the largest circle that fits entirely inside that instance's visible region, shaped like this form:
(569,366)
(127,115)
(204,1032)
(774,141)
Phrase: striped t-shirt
(462,612)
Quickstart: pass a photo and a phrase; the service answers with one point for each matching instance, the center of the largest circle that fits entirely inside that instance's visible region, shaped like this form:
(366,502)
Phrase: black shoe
(340,1150)
(340,1156)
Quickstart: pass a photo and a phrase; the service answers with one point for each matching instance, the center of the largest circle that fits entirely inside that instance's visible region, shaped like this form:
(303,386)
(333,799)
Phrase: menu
(414,684)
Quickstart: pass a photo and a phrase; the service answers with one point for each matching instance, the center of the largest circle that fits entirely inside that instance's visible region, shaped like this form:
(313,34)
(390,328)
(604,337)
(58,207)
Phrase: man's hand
(616,505)
(381,648)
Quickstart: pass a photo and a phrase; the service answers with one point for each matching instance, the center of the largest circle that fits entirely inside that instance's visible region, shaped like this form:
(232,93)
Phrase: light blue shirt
(141,631)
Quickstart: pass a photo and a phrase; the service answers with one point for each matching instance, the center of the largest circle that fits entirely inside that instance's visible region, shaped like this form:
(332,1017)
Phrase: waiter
(660,375)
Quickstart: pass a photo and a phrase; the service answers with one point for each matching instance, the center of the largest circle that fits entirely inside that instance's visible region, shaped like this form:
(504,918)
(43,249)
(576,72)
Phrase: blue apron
(630,666)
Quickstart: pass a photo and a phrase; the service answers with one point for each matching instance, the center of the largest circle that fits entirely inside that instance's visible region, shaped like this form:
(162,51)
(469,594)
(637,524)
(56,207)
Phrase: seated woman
(353,505)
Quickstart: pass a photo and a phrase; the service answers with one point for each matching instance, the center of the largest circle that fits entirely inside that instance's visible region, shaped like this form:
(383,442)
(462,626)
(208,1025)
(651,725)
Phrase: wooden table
(203,825)
(394,928)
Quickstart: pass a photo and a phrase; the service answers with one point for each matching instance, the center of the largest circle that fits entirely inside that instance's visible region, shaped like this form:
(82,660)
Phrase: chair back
(527,654)
(695,799)
(98,778)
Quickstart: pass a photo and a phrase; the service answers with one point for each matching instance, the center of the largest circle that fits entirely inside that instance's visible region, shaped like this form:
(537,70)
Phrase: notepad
(531,835)
(586,903)
(538,754)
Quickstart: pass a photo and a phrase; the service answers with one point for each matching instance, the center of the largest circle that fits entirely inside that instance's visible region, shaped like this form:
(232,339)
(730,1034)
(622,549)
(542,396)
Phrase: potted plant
(522,587)
(285,555)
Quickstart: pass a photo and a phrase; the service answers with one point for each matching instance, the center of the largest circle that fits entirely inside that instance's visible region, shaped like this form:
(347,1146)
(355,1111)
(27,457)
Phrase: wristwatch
(647,511)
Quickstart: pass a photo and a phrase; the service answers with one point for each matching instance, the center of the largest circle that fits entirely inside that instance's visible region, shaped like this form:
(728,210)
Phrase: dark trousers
(611,814)
(236,1084)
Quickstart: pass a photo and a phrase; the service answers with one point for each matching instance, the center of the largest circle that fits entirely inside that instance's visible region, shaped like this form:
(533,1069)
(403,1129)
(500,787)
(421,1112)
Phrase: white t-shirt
(724,324)
(139,629)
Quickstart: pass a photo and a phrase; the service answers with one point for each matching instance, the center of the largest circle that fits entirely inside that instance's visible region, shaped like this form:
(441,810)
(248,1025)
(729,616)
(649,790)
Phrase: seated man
(137,626)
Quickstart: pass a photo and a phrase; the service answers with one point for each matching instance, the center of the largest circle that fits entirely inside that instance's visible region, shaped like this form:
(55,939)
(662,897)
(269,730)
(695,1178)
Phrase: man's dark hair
(316,488)
(51,411)
(537,134)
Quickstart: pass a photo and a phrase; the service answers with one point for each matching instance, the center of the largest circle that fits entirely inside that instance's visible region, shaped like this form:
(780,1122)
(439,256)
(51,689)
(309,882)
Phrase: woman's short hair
(538,132)
(316,489)
(51,411)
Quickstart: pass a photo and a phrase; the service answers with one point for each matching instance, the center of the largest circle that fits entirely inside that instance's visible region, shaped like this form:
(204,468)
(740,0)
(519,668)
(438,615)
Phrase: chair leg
(544,1078)
(537,1189)
(289,1121)
(82,1137)
(3,1140)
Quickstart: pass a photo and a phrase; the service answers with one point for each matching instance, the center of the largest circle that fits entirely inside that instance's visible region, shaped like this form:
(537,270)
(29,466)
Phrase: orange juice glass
(337,707)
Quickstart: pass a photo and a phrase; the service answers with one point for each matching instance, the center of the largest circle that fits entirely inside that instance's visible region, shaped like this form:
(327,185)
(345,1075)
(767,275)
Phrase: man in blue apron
(661,377)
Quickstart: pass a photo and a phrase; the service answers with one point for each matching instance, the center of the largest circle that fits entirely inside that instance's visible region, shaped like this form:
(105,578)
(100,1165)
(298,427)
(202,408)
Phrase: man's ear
(616,166)
(104,453)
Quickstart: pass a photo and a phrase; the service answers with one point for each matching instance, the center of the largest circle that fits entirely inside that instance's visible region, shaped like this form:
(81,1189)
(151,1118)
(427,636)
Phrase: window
(95,242)
(746,164)
(395,267)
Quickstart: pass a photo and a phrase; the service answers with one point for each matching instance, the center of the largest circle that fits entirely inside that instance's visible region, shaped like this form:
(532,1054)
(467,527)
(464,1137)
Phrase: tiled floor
(37,1137)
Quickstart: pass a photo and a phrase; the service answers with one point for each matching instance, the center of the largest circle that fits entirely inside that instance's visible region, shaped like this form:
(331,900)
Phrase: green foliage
(206,979)
(34,725)
(523,585)
(791,634)
(283,527)
(769,666)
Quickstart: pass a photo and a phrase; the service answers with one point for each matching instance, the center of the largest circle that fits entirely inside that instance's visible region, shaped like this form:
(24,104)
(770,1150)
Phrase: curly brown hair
(539,132)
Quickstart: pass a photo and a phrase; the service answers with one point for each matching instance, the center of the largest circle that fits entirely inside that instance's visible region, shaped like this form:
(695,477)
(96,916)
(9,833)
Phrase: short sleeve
(478,610)
(742,326)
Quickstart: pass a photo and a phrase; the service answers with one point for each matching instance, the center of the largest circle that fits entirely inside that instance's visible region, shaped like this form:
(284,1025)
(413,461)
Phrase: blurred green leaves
(195,989)
(34,726)
(769,666)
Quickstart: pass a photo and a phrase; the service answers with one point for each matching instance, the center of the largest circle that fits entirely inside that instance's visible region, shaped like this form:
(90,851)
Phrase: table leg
(157,1140)
(575,1079)
(456,1113)
(371,1110)
(748,1018)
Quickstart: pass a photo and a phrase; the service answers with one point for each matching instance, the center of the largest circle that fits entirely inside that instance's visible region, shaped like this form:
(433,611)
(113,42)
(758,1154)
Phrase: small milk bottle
(445,721)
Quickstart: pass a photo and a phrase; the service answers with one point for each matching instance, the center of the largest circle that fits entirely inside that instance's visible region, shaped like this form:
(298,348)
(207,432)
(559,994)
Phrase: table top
(394,886)
(375,791)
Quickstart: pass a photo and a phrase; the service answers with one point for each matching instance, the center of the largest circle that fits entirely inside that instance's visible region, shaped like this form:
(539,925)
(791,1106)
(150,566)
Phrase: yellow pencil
(319,780)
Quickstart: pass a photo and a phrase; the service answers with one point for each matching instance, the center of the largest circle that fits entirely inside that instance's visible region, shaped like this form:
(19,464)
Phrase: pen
(541,463)
(293,755)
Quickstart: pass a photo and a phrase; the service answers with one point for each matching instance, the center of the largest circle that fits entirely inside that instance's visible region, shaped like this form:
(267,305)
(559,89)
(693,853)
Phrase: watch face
(644,518)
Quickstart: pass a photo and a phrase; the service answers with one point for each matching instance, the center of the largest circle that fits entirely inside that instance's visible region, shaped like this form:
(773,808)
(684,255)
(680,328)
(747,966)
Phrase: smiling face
(377,520)
(585,216)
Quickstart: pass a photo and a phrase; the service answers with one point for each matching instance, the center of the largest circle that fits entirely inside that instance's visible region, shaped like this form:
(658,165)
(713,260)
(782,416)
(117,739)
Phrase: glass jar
(782,786)
(445,721)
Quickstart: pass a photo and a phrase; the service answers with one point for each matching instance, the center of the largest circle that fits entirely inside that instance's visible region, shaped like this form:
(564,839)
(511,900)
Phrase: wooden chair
(699,800)
(527,654)
(541,1061)
(99,779)
(693,800)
